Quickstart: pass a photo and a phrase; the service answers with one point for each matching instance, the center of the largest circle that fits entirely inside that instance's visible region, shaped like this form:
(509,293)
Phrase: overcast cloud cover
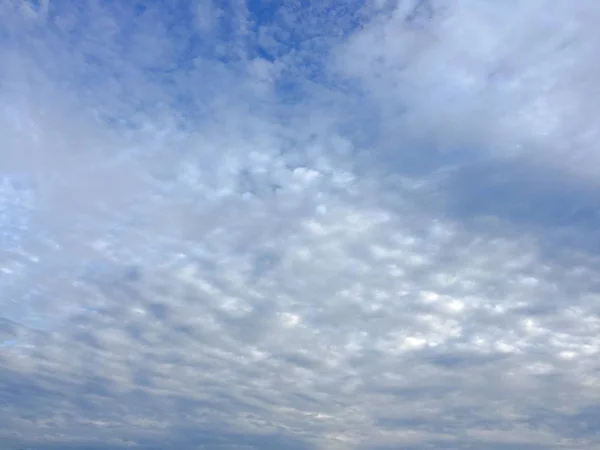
(299,224)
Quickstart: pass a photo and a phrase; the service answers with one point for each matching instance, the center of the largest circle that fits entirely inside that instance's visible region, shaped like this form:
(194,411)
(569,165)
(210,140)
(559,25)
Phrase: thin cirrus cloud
(303,225)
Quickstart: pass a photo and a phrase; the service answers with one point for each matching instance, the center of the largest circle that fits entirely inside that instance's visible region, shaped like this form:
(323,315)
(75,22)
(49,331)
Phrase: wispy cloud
(255,225)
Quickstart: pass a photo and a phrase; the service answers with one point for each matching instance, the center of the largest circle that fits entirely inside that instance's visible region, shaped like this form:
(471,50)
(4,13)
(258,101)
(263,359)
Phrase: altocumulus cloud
(307,225)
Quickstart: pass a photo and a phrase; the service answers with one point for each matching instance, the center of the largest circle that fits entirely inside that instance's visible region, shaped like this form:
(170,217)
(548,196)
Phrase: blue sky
(310,225)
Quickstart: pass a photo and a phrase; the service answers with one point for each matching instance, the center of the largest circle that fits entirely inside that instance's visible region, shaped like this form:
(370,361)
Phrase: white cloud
(235,271)
(510,80)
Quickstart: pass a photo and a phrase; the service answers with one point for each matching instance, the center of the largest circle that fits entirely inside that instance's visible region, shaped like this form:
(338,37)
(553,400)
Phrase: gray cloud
(197,256)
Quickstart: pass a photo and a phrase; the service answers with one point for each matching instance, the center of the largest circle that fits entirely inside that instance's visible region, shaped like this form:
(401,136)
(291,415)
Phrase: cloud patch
(275,242)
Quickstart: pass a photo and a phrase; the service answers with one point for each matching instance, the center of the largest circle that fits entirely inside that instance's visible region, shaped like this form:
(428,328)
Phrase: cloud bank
(309,225)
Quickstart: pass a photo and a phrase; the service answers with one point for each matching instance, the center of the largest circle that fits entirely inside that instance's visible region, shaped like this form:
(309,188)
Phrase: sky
(299,224)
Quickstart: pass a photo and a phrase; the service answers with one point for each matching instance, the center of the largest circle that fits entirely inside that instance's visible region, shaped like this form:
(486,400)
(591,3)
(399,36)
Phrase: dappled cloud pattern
(307,225)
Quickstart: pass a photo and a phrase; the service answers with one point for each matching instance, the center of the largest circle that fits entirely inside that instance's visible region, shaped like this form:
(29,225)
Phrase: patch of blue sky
(103,56)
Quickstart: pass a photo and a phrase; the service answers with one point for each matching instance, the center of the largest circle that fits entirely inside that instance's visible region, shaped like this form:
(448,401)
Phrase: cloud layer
(303,225)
